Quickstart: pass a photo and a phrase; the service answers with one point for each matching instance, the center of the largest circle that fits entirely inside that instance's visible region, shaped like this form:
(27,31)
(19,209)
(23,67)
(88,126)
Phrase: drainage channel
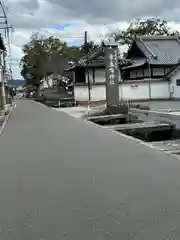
(162,136)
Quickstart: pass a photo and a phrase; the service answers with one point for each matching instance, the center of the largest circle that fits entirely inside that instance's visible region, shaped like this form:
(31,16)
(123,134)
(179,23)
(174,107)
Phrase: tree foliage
(43,56)
(148,27)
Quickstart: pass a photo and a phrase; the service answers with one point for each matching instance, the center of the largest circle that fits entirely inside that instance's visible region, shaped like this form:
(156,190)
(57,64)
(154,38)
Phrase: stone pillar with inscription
(112,75)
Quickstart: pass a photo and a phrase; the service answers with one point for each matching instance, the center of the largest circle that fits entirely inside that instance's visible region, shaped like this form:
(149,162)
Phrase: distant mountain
(16,82)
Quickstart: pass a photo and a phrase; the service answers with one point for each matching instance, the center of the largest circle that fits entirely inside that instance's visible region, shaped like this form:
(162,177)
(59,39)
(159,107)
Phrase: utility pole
(3,76)
(4,26)
(86,68)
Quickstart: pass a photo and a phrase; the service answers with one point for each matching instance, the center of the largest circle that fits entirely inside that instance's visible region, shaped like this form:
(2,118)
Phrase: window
(158,71)
(178,82)
(139,73)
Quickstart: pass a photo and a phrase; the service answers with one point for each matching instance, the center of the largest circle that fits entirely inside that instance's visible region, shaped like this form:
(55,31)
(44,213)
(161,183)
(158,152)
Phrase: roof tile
(160,49)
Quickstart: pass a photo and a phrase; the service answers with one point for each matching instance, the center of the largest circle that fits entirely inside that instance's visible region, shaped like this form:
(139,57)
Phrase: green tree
(148,27)
(74,53)
(44,56)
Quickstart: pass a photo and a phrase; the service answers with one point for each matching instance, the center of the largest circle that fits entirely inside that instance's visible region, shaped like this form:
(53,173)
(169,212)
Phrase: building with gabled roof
(150,71)
(94,70)
(153,57)
(159,49)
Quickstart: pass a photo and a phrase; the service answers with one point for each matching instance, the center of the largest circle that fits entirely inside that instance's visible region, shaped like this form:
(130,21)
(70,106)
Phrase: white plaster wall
(132,93)
(176,89)
(159,90)
(98,93)
(99,75)
(81,93)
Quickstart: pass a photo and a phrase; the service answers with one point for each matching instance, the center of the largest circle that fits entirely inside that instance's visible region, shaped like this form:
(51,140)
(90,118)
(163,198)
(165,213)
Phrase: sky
(68,19)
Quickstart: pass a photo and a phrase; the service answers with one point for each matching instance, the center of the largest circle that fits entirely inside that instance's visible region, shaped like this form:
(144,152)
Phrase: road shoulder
(4,117)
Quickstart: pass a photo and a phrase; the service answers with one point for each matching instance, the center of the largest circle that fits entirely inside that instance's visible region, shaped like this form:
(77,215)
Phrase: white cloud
(28,16)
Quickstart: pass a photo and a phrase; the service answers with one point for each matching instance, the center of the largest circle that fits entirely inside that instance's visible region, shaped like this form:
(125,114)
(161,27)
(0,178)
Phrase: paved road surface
(62,179)
(164,105)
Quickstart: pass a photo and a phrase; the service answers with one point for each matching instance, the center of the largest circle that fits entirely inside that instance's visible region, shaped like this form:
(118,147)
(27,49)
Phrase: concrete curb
(135,140)
(127,137)
(6,119)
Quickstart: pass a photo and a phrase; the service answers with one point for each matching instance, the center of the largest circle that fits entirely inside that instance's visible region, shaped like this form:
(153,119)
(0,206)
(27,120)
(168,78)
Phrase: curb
(127,137)
(6,119)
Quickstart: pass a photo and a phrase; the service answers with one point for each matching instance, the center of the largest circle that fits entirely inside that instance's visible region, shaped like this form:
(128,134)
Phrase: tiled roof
(101,62)
(98,62)
(136,63)
(160,49)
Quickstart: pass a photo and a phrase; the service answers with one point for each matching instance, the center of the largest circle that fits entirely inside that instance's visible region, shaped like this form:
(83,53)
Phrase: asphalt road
(64,179)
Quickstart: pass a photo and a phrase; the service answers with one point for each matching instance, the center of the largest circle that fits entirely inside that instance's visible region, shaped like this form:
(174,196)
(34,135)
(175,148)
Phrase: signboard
(112,76)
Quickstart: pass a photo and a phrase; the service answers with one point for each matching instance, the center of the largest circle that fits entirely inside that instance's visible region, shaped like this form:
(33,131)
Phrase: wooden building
(153,57)
(151,71)
(94,71)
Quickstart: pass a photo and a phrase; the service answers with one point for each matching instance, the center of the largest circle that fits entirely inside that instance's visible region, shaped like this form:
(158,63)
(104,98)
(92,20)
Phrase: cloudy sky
(96,16)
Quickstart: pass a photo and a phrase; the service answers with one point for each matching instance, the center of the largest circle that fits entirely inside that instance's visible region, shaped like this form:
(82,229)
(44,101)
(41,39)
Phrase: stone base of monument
(111,110)
(112,115)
